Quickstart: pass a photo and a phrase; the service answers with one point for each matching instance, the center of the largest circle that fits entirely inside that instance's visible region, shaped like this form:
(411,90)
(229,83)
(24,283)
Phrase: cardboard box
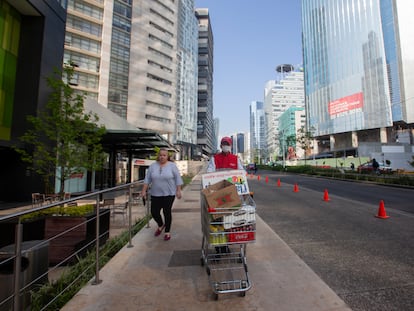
(221,195)
(236,177)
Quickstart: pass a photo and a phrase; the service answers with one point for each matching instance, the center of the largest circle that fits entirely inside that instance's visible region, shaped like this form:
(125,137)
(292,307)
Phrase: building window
(162,67)
(84,26)
(159,79)
(156,118)
(159,92)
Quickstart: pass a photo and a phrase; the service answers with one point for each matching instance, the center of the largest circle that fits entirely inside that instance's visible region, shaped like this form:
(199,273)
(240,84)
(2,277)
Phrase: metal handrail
(73,199)
(19,232)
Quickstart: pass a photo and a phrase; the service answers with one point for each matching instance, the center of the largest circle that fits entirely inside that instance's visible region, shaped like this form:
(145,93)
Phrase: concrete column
(354,139)
(383,135)
(332,142)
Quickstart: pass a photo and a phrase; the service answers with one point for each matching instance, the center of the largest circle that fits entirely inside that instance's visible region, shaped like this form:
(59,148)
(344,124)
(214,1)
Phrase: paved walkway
(167,275)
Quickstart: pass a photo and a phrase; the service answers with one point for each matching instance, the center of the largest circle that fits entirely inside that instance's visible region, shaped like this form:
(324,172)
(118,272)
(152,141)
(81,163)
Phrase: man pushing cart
(228,218)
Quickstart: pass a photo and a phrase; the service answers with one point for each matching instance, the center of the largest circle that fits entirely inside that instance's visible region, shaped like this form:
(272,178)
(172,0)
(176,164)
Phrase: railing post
(148,204)
(97,280)
(17,265)
(130,200)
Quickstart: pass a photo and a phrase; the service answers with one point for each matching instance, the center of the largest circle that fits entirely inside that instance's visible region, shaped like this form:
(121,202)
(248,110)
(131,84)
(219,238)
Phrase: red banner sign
(346,104)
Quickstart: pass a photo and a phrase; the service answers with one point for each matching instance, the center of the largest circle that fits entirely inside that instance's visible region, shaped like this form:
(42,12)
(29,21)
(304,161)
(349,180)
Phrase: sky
(251,38)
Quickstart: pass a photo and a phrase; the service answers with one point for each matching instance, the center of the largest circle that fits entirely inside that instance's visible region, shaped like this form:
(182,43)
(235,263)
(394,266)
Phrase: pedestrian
(225,159)
(221,161)
(165,181)
(375,165)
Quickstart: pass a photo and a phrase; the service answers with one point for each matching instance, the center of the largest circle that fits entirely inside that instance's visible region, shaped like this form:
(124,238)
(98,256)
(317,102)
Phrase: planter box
(32,230)
(66,244)
(73,240)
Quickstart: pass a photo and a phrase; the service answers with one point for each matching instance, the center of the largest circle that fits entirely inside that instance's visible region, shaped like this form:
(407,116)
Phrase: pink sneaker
(158,231)
(167,237)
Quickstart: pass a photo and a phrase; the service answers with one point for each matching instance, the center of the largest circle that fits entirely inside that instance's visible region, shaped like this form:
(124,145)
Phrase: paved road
(367,261)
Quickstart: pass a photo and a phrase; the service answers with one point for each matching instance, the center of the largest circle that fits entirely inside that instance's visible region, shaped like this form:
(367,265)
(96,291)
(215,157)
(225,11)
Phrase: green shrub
(187,179)
(54,295)
(81,210)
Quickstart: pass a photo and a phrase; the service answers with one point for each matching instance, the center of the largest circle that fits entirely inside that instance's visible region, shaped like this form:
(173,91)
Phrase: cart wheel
(208,270)
(202,261)
(242,294)
(215,296)
(240,259)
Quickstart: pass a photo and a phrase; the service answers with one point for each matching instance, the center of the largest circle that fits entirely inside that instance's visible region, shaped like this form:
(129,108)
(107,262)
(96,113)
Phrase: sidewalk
(167,275)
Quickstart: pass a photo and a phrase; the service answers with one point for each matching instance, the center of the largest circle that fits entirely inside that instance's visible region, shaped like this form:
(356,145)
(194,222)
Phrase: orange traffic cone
(267,179)
(295,188)
(381,211)
(258,177)
(326,195)
(278,182)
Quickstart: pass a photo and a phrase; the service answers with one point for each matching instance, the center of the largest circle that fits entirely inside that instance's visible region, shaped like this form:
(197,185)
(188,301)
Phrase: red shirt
(226,160)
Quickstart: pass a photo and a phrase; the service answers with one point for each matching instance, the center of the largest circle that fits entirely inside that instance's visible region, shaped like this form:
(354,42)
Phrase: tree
(412,162)
(291,141)
(63,139)
(305,139)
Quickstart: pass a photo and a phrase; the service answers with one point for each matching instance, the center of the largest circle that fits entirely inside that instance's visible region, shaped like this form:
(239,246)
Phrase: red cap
(227,140)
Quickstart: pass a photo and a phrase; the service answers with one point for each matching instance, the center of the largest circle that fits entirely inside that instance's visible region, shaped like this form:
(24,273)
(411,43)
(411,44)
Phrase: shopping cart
(226,233)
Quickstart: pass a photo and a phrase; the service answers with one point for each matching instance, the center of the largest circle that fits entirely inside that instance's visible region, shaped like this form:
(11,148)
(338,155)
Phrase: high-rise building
(358,60)
(205,123)
(215,137)
(280,95)
(269,124)
(138,59)
(185,134)
(240,143)
(290,122)
(186,125)
(258,143)
(153,66)
(84,45)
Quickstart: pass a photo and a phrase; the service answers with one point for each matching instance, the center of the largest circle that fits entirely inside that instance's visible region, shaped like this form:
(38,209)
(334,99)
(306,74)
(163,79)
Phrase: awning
(122,136)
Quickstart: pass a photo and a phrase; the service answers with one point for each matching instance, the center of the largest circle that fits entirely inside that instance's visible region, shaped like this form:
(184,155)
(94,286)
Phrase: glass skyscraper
(358,63)
(258,144)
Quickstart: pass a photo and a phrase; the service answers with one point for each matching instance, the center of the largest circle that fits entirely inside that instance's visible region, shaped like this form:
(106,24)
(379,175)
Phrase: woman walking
(166,182)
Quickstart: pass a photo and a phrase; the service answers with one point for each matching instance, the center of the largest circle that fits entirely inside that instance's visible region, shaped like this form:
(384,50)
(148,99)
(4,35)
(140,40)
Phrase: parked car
(367,168)
(251,168)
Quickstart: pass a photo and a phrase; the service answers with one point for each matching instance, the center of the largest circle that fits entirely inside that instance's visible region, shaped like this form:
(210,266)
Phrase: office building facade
(216,141)
(153,66)
(258,142)
(205,121)
(139,60)
(280,95)
(187,72)
(290,121)
(358,59)
(32,35)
